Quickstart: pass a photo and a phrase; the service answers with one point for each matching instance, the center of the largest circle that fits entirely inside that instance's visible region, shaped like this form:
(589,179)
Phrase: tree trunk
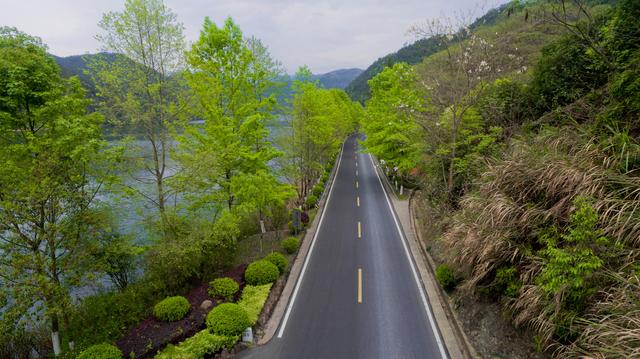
(55,335)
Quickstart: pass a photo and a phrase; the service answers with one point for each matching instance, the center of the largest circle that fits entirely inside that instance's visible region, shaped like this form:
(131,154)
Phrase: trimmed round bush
(101,351)
(290,244)
(446,277)
(223,287)
(228,319)
(261,272)
(172,309)
(279,260)
(311,201)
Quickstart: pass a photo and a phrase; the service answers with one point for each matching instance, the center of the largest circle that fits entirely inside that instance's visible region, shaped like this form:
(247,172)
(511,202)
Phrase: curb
(278,312)
(456,341)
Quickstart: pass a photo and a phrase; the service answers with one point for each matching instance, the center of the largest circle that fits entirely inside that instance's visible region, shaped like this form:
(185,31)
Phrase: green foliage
(261,272)
(279,260)
(318,189)
(290,244)
(101,351)
(253,299)
(105,317)
(392,132)
(228,319)
(564,74)
(311,201)
(446,277)
(506,103)
(571,258)
(199,346)
(507,281)
(172,309)
(223,287)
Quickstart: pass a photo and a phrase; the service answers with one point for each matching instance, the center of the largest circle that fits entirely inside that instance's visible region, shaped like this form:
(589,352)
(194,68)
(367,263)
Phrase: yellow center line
(359,285)
(359,230)
(358,201)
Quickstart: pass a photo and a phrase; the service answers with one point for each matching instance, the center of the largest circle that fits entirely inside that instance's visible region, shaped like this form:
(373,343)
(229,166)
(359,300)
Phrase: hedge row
(202,344)
(253,299)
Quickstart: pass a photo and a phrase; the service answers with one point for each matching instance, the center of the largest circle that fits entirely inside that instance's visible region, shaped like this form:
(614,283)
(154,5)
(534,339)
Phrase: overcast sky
(323,34)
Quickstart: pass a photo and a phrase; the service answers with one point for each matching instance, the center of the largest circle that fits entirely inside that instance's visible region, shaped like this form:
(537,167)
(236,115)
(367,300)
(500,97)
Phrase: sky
(324,34)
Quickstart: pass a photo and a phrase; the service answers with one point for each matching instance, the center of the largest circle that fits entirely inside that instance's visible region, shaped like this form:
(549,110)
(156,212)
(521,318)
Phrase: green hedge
(261,272)
(253,299)
(223,287)
(204,343)
(290,244)
(279,260)
(101,351)
(228,319)
(172,309)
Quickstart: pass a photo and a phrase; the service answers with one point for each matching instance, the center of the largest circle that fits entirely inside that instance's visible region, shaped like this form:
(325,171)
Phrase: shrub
(172,309)
(228,319)
(318,189)
(290,244)
(223,287)
(261,272)
(446,277)
(253,299)
(204,343)
(101,351)
(507,281)
(311,201)
(279,260)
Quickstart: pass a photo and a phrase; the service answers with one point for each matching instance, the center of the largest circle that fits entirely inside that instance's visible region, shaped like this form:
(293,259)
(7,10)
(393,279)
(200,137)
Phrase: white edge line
(423,296)
(313,242)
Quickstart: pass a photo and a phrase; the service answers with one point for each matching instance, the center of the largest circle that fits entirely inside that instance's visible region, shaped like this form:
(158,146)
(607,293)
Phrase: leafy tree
(142,89)
(231,77)
(49,179)
(320,120)
(390,120)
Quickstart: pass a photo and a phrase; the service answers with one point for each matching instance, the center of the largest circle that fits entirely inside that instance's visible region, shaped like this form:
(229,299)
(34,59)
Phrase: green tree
(231,77)
(141,90)
(49,179)
(320,120)
(393,134)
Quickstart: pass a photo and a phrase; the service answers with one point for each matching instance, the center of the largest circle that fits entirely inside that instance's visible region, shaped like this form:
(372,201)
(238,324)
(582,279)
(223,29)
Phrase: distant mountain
(338,78)
(77,65)
(412,54)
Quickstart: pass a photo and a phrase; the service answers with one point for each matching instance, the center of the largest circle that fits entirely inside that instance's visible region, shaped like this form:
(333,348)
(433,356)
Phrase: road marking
(423,296)
(313,243)
(356,184)
(359,230)
(356,164)
(356,173)
(359,285)
(358,201)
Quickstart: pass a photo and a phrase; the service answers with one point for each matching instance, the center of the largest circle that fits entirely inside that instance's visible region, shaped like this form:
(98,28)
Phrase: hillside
(520,142)
(412,54)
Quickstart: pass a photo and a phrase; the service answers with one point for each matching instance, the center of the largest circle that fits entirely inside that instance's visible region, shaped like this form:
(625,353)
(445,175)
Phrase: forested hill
(338,78)
(412,54)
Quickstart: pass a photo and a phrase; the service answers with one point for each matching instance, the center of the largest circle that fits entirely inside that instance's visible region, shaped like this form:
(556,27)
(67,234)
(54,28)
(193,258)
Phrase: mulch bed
(152,335)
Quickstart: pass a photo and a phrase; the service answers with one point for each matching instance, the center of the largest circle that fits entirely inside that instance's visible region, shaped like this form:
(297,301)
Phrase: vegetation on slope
(533,168)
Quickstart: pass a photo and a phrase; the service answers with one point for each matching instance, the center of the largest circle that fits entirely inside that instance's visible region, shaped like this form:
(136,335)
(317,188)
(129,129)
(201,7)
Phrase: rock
(206,305)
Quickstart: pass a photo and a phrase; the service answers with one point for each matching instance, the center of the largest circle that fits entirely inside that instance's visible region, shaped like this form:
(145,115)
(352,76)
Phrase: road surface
(358,295)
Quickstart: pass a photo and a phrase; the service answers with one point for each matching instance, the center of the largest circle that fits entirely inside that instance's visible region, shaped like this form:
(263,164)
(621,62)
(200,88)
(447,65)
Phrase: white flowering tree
(458,77)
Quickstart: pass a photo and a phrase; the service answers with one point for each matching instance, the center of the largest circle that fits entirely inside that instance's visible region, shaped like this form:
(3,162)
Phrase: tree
(390,121)
(49,179)
(142,89)
(231,77)
(320,120)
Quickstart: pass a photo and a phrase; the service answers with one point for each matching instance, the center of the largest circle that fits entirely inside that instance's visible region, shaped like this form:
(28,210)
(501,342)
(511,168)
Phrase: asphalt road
(358,296)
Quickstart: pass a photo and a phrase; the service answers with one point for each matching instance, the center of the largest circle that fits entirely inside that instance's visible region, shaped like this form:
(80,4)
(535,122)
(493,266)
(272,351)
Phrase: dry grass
(531,189)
